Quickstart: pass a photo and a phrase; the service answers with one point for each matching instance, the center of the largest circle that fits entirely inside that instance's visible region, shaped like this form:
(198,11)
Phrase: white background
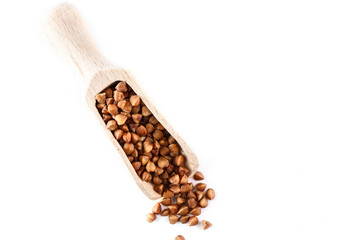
(265,92)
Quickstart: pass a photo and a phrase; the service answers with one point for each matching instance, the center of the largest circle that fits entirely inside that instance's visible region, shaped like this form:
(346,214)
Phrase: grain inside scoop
(156,156)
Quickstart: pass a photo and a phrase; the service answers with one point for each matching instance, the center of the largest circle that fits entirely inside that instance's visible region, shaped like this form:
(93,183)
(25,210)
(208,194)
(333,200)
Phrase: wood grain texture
(69,36)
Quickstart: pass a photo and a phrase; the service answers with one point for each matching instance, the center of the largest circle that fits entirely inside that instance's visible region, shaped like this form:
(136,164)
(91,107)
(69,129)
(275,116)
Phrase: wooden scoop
(68,35)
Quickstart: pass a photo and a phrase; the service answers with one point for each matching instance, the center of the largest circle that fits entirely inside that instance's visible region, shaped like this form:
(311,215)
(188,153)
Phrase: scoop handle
(69,36)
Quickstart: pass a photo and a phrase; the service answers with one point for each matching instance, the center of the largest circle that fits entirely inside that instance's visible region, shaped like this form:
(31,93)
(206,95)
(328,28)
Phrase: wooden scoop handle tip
(69,36)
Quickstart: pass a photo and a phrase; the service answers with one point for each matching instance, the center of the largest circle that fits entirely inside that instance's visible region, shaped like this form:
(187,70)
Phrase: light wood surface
(69,36)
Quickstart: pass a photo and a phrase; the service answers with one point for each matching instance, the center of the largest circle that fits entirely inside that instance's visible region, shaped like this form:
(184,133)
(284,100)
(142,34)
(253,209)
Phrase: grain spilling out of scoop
(155,156)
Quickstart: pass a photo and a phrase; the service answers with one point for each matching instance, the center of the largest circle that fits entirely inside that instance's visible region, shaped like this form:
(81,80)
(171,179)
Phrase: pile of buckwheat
(155,156)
